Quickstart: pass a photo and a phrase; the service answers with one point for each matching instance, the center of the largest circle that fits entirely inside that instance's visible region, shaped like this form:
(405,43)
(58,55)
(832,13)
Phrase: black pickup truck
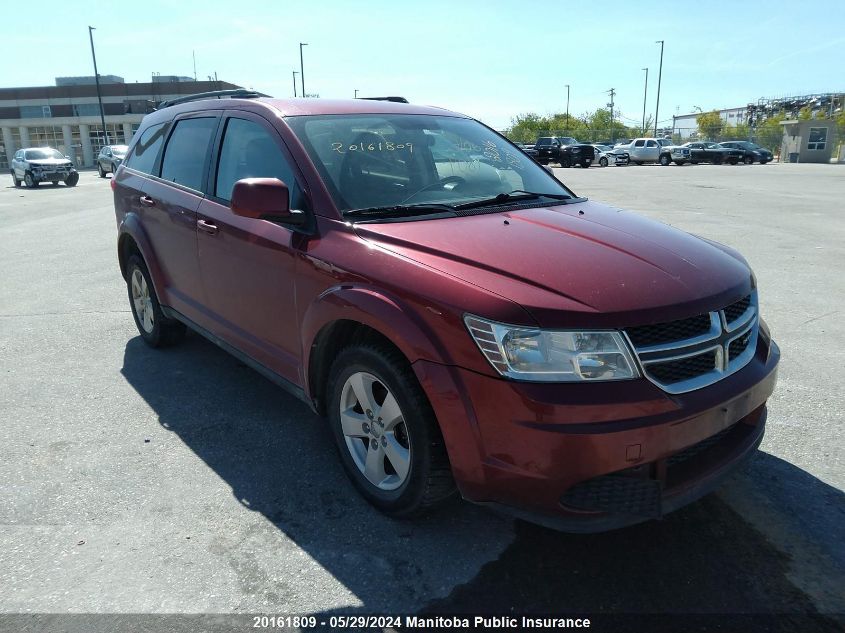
(564,150)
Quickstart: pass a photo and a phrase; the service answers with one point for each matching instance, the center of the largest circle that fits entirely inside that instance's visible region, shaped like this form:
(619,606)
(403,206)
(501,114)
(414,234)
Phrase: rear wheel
(156,329)
(748,160)
(114,169)
(386,431)
(100,170)
(665,160)
(15,179)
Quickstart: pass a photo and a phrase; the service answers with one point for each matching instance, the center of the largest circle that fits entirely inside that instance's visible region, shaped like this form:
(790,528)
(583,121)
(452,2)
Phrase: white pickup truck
(656,150)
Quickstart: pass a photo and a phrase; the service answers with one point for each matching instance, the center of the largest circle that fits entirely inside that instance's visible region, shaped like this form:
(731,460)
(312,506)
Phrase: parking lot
(181,481)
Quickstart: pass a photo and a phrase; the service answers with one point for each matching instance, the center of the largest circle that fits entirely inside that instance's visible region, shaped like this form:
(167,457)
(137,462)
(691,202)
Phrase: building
(67,116)
(809,141)
(686,125)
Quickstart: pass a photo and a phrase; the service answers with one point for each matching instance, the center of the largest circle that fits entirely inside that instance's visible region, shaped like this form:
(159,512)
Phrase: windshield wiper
(502,198)
(400,210)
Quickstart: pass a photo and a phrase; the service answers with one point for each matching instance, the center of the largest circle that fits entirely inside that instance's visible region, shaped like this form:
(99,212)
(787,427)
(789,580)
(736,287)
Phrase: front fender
(385,313)
(130,227)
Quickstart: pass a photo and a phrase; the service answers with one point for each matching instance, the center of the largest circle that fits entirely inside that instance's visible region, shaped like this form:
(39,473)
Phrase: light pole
(302,67)
(645,94)
(91,30)
(612,93)
(567,110)
(294,82)
(659,78)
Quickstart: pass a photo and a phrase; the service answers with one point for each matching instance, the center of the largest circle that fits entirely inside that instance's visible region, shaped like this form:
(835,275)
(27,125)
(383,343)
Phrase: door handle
(207,227)
(147,201)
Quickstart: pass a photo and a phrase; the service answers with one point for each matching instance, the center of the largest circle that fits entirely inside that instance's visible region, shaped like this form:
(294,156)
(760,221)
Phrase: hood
(576,264)
(49,162)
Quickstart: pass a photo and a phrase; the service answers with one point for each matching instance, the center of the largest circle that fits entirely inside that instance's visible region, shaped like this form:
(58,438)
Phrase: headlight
(552,355)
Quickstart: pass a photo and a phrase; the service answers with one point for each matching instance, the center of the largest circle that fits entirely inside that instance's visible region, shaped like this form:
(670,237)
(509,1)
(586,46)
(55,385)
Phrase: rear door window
(185,155)
(146,150)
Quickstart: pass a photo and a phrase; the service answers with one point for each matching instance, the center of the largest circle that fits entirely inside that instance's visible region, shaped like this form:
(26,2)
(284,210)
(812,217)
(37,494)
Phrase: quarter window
(146,149)
(249,151)
(184,156)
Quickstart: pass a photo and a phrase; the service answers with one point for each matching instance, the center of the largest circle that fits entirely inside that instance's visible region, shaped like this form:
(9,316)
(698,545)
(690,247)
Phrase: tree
(740,131)
(770,132)
(710,124)
(805,113)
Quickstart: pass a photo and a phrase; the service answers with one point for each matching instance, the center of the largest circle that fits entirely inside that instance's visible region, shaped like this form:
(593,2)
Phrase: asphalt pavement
(181,481)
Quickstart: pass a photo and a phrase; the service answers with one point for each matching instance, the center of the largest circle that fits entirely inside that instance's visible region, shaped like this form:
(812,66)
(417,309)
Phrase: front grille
(694,352)
(739,345)
(647,335)
(736,310)
(681,369)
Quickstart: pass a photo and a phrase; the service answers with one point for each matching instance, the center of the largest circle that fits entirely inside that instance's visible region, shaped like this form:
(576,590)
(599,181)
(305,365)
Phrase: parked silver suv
(34,165)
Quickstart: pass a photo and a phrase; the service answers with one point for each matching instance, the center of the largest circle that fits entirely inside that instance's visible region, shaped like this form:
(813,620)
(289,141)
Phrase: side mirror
(264,198)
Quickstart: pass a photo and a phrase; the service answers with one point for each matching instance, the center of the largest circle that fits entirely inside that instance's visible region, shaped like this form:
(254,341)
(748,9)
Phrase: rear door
(171,199)
(248,265)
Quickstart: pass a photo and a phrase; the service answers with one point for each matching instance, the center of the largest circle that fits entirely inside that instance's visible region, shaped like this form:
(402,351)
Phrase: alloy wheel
(141,301)
(374,431)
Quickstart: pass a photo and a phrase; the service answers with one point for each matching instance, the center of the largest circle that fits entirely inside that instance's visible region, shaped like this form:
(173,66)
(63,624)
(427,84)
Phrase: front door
(248,265)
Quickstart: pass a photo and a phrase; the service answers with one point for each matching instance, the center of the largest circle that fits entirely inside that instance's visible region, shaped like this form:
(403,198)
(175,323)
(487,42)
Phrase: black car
(109,159)
(709,152)
(750,151)
(565,151)
(526,149)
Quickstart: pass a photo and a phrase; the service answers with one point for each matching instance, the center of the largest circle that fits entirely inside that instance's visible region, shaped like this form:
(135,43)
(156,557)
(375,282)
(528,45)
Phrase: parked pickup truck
(656,150)
(565,151)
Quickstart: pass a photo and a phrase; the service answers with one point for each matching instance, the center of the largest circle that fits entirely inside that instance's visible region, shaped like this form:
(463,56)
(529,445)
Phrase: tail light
(113,183)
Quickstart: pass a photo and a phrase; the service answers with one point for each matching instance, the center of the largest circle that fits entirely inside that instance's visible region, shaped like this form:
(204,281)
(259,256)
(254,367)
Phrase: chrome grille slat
(678,365)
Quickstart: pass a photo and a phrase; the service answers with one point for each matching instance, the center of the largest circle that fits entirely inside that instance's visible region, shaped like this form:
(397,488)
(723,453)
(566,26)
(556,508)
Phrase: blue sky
(490,59)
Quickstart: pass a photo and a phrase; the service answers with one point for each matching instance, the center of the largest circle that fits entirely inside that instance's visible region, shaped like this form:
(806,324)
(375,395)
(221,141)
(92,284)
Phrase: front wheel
(386,432)
(665,160)
(72,179)
(29,181)
(603,162)
(565,162)
(156,329)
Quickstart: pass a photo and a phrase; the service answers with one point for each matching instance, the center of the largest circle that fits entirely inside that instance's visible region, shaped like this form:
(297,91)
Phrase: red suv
(464,321)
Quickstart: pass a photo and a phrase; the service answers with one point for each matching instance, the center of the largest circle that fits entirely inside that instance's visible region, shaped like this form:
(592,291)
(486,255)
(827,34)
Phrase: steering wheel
(440,183)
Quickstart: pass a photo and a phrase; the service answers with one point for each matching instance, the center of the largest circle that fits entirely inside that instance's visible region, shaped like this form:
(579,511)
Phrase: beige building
(67,116)
(810,141)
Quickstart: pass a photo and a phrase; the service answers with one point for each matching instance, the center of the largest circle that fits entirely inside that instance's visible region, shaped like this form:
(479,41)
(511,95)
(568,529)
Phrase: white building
(685,124)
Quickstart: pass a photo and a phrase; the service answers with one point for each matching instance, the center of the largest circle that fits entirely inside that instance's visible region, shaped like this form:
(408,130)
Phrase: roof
(302,107)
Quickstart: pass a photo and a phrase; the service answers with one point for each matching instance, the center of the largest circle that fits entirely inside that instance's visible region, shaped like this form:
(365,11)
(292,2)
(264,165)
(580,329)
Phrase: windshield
(119,150)
(385,160)
(41,154)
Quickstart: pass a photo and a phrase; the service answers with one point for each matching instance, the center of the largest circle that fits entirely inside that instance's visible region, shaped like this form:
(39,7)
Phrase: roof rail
(238,93)
(393,99)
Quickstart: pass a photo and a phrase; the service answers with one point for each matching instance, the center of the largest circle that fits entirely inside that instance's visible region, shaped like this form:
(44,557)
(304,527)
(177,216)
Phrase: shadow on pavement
(279,460)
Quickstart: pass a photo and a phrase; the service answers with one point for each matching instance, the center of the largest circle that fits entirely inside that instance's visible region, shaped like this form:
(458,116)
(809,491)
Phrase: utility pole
(645,94)
(302,67)
(194,54)
(612,93)
(91,30)
(567,110)
(659,78)
(294,82)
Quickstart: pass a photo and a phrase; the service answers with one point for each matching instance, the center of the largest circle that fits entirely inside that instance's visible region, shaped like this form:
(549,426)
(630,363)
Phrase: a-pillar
(87,150)
(127,133)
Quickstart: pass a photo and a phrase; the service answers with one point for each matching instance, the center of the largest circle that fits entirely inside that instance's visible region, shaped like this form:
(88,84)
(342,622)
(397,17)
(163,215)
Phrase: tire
(680,163)
(585,165)
(748,160)
(694,162)
(71,180)
(29,181)
(100,171)
(156,329)
(55,183)
(15,179)
(602,162)
(422,476)
(733,161)
(114,169)
(565,162)
(665,160)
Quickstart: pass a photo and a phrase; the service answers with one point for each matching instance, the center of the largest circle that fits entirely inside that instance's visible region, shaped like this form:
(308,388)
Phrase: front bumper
(569,455)
(40,175)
